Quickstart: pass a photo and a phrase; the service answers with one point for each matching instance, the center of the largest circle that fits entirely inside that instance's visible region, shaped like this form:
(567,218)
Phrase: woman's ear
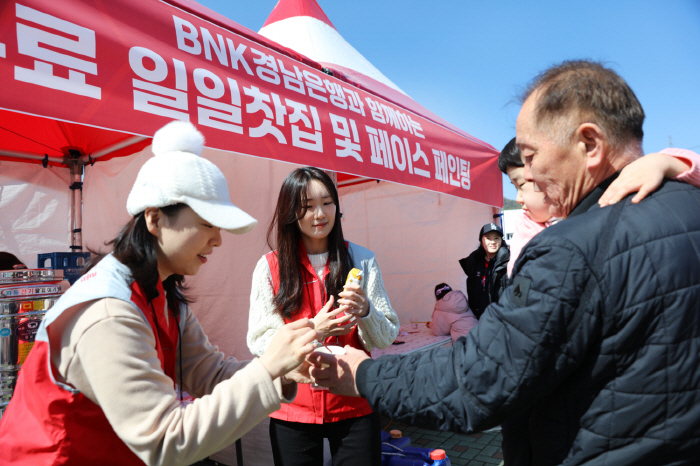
(154,218)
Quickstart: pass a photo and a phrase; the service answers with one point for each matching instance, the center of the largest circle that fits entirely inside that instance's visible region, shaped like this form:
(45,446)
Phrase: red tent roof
(175,59)
(291,8)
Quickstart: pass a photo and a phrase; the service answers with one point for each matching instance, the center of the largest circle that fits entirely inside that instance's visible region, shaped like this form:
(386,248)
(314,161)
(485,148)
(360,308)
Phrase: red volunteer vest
(316,406)
(46,424)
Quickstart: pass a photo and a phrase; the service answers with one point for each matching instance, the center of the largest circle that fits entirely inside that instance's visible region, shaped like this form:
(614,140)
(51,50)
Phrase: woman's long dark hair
(290,208)
(135,247)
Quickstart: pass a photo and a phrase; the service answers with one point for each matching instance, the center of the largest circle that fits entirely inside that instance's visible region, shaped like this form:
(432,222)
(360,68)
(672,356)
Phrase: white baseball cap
(178,174)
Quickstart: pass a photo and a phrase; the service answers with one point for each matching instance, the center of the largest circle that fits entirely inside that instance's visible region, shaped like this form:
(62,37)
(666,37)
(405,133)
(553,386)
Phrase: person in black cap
(486,269)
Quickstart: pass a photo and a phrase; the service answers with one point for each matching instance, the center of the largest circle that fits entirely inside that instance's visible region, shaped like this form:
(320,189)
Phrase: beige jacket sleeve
(108,353)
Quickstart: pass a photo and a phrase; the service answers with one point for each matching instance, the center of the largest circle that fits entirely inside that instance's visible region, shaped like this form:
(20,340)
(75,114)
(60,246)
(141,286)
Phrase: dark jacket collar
(593,197)
(502,256)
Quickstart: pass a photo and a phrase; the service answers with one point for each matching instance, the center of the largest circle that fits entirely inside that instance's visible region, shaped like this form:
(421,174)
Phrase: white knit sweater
(378,329)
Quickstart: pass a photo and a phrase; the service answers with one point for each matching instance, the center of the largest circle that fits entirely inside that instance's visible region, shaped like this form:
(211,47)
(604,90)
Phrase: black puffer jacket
(599,334)
(479,299)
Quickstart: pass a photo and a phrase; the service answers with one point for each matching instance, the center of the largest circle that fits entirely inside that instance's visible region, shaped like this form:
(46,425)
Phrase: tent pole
(77,245)
(74,161)
(72,212)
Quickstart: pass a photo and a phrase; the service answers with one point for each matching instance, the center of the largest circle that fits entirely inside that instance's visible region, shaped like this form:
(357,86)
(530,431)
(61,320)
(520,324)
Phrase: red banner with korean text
(133,65)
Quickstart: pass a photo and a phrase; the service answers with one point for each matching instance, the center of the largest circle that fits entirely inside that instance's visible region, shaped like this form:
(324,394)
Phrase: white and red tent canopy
(301,25)
(99,78)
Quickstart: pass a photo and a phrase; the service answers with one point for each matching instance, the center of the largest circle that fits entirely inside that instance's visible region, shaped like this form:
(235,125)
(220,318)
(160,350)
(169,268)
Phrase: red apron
(316,406)
(48,424)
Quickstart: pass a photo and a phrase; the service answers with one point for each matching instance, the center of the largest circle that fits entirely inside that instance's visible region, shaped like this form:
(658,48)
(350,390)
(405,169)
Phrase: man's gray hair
(582,91)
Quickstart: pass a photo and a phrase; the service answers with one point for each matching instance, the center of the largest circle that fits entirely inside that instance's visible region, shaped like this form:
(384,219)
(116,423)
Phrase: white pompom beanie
(177,174)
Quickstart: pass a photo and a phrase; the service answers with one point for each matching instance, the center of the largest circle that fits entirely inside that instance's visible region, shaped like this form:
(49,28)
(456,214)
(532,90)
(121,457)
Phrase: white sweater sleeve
(263,320)
(379,328)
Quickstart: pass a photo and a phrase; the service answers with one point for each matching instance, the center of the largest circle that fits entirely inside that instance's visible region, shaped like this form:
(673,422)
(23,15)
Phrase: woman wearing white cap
(103,383)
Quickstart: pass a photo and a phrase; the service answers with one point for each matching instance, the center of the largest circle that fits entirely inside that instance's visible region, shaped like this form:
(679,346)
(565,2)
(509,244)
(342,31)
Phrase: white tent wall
(34,210)
(418,237)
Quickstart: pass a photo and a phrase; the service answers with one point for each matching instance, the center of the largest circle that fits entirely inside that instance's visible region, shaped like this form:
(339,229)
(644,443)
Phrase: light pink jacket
(452,316)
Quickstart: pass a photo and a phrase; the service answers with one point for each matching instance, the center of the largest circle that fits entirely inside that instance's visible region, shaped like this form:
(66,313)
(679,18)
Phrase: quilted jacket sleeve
(523,347)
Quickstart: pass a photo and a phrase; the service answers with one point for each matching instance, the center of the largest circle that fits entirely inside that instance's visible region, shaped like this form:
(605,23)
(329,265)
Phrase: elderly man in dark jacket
(599,334)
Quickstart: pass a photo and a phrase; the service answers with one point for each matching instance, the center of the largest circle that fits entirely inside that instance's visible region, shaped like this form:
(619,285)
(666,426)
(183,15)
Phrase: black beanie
(441,290)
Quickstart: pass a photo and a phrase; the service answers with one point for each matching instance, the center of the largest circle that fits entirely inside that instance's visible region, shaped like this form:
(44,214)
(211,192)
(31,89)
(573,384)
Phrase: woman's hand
(354,300)
(326,323)
(300,374)
(289,347)
(643,176)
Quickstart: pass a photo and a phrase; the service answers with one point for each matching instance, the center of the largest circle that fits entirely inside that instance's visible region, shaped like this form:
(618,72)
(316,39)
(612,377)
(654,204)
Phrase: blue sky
(467,61)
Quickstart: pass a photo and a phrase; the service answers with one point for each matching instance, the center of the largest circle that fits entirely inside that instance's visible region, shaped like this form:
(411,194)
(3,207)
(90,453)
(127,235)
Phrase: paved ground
(478,449)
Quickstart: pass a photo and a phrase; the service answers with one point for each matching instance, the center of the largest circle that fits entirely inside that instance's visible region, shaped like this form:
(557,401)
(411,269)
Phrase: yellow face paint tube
(354,277)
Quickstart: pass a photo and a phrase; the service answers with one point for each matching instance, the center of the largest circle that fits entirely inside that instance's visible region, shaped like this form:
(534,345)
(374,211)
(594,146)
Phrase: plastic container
(70,262)
(415,456)
(407,461)
(393,443)
(410,456)
(397,439)
(439,458)
(394,440)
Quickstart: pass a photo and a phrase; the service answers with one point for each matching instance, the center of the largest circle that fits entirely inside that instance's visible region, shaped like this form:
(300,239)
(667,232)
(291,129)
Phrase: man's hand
(337,372)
